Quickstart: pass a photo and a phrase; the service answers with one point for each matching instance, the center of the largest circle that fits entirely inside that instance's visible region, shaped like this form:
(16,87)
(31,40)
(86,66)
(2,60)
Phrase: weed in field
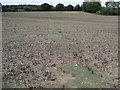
(80,77)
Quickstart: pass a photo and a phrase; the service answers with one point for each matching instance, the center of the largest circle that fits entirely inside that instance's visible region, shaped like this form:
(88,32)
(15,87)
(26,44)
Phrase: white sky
(53,2)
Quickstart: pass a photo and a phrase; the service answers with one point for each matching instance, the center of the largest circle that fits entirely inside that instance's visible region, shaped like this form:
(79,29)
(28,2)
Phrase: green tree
(69,8)
(59,7)
(77,8)
(109,11)
(91,6)
(114,8)
(118,4)
(0,7)
(53,8)
(110,4)
(46,7)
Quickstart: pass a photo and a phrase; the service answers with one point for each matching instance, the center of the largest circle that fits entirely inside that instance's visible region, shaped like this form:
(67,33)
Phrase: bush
(109,11)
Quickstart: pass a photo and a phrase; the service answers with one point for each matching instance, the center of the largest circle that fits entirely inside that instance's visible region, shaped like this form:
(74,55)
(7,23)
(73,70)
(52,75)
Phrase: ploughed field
(59,50)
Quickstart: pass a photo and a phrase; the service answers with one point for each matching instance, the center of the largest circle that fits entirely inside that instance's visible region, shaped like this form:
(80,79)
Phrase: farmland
(59,49)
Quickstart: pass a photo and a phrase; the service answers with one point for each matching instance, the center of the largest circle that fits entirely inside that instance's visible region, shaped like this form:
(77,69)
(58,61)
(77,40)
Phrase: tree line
(111,7)
(42,7)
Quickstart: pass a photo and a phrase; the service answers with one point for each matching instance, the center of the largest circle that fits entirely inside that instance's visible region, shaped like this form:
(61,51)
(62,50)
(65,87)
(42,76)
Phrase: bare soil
(46,49)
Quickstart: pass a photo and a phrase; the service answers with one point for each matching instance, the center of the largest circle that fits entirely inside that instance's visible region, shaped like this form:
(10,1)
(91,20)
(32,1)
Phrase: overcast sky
(53,2)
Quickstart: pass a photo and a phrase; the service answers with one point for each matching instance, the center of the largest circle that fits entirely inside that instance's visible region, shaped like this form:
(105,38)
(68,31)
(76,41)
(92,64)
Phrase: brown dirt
(35,43)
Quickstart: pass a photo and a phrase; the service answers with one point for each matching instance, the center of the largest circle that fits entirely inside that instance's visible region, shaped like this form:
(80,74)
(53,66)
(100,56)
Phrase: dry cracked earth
(56,49)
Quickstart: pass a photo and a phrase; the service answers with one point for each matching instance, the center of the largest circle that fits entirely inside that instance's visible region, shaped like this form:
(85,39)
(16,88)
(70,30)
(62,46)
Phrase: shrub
(109,11)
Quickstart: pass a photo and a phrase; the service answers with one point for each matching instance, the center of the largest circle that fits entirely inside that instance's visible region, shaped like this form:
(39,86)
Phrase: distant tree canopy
(0,7)
(30,8)
(59,7)
(14,8)
(112,4)
(77,8)
(90,6)
(46,7)
(69,8)
(112,8)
